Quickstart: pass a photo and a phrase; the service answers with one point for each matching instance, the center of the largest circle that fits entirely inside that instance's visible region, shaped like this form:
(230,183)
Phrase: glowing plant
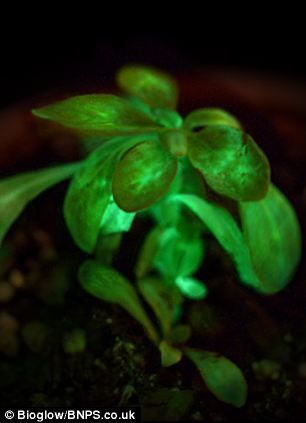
(143,158)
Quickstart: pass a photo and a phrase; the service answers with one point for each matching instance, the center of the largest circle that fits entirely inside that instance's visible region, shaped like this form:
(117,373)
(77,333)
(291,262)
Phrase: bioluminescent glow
(231,162)
(143,160)
(152,86)
(142,176)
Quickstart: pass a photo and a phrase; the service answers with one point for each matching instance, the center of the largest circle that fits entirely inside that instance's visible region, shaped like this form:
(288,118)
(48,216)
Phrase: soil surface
(61,347)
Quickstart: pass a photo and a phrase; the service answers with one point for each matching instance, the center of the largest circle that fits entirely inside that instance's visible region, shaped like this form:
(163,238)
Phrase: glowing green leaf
(267,253)
(115,220)
(17,191)
(143,176)
(222,377)
(177,255)
(200,118)
(108,285)
(140,105)
(273,236)
(99,113)
(191,287)
(150,85)
(169,354)
(168,118)
(147,252)
(89,194)
(231,162)
(155,293)
(223,226)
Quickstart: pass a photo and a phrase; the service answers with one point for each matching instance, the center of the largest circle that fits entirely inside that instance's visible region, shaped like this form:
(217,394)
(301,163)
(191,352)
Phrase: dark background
(51,55)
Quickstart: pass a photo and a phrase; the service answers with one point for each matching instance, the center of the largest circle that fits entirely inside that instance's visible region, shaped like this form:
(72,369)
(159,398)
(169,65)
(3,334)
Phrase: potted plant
(169,189)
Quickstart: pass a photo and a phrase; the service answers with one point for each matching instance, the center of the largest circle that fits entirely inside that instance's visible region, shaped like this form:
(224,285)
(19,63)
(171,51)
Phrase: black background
(59,51)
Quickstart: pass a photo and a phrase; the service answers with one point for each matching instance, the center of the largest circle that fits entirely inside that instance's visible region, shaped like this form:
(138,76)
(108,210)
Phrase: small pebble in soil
(7,292)
(99,364)
(197,416)
(127,393)
(16,278)
(35,335)
(9,342)
(266,369)
(74,342)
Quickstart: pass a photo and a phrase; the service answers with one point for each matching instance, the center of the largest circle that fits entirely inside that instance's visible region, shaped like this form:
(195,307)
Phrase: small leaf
(89,193)
(107,247)
(169,354)
(154,292)
(147,253)
(200,118)
(108,285)
(143,176)
(272,233)
(98,113)
(191,287)
(178,255)
(168,118)
(222,377)
(150,85)
(115,220)
(17,191)
(231,162)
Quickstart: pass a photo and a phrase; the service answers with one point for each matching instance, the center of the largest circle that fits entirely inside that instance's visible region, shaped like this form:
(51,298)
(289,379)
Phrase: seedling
(190,176)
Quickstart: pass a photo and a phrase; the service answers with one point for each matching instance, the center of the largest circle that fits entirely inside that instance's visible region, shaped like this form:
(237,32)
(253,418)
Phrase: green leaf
(143,176)
(108,285)
(178,255)
(272,233)
(89,193)
(222,377)
(107,247)
(98,113)
(115,220)
(168,118)
(200,118)
(147,253)
(267,253)
(150,85)
(191,287)
(154,292)
(169,354)
(140,105)
(17,191)
(223,226)
(231,162)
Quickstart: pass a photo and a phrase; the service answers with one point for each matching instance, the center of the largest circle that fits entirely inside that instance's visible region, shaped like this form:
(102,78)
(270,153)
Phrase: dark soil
(42,305)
